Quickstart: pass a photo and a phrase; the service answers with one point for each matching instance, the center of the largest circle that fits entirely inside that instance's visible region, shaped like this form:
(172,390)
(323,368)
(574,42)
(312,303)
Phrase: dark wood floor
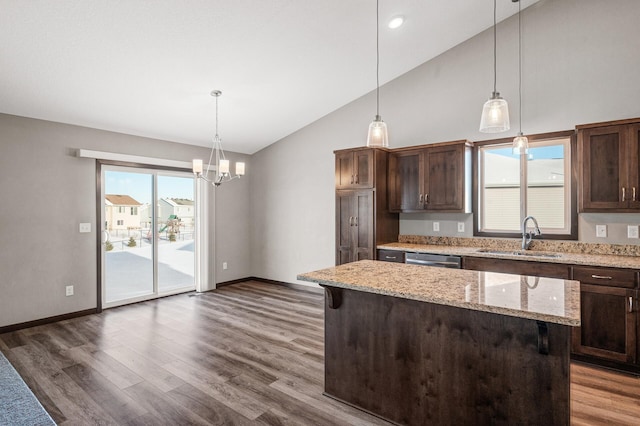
(251,353)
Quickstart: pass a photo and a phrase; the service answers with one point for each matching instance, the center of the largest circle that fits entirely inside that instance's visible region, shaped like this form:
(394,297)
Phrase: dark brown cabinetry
(608,310)
(609,163)
(363,219)
(431,178)
(608,334)
(391,256)
(354,169)
(354,223)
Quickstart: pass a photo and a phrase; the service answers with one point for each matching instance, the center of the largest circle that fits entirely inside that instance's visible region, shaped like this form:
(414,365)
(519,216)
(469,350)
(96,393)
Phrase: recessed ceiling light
(395,22)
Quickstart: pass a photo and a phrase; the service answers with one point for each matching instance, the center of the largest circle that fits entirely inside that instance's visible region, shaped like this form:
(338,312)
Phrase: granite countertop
(544,299)
(563,256)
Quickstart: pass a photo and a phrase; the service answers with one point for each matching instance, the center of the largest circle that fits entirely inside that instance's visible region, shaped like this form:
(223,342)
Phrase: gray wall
(581,65)
(47,192)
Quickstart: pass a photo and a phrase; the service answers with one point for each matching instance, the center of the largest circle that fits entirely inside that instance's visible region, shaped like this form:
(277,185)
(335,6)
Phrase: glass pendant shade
(495,115)
(378,135)
(520,144)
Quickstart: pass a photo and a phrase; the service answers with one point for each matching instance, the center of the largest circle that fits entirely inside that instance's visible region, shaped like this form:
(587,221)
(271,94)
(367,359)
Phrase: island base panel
(421,363)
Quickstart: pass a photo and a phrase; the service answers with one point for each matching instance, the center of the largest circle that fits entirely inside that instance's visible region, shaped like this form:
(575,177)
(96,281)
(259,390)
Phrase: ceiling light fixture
(222,164)
(520,142)
(396,22)
(378,135)
(495,112)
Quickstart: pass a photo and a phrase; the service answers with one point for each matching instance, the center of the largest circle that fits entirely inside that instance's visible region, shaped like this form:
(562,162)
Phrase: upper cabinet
(433,177)
(609,164)
(355,168)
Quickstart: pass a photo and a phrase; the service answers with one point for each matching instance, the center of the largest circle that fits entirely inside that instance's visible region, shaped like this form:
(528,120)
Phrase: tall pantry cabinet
(363,219)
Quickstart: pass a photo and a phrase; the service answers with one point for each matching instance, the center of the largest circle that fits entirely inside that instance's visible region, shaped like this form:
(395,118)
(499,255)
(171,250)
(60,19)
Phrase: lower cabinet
(609,318)
(608,308)
(354,226)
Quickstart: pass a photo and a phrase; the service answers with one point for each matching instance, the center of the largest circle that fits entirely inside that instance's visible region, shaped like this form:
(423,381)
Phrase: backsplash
(561,246)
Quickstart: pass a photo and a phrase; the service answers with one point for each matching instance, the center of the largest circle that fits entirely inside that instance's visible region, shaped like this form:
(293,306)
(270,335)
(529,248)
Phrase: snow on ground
(129,270)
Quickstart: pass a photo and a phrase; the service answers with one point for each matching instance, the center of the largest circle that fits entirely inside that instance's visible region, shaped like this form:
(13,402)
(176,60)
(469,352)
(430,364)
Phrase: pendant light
(223,174)
(495,112)
(520,142)
(378,135)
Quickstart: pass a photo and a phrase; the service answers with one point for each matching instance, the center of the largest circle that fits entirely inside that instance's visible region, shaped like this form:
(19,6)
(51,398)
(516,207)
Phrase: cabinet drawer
(391,256)
(605,276)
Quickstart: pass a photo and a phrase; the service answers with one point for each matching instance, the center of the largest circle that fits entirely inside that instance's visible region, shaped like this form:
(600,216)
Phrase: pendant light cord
(520,61)
(495,61)
(377,58)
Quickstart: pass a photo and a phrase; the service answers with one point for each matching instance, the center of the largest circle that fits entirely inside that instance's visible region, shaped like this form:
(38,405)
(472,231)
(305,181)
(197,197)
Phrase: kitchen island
(422,345)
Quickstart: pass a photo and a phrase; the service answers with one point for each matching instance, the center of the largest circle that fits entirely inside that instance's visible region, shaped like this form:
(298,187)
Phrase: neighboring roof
(182,201)
(121,200)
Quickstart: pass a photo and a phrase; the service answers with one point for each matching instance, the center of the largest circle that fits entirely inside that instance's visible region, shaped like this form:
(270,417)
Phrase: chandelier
(221,165)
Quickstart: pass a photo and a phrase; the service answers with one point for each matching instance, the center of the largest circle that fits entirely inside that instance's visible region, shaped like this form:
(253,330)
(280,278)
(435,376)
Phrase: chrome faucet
(527,237)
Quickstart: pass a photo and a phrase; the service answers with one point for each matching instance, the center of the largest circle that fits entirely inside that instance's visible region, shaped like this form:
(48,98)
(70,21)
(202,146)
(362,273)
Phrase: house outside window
(134,211)
(120,222)
(539,184)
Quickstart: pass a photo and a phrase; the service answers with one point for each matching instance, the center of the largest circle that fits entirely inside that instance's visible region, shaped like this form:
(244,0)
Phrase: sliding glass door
(147,234)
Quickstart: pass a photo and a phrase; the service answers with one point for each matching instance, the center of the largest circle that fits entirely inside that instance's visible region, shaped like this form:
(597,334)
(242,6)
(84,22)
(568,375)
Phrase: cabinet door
(345,176)
(406,185)
(363,226)
(444,178)
(633,147)
(604,168)
(363,169)
(608,323)
(354,226)
(344,225)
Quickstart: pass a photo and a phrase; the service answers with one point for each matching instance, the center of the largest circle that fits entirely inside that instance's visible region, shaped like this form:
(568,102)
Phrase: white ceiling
(147,67)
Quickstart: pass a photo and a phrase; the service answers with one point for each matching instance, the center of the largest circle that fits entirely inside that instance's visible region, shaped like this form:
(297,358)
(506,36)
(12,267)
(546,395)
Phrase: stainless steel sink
(520,253)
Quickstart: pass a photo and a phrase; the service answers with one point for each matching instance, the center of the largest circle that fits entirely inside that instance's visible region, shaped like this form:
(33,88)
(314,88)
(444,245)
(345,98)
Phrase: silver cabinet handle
(356,220)
(357,180)
(630,304)
(390,257)
(633,193)
(426,198)
(350,220)
(601,277)
(421,198)
(623,193)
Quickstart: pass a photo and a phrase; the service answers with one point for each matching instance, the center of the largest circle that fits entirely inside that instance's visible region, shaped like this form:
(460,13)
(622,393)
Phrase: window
(120,222)
(134,211)
(120,209)
(539,184)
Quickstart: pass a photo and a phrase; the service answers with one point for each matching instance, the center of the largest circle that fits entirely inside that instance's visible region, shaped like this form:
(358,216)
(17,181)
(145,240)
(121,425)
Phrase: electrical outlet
(460,226)
(224,265)
(85,227)
(69,290)
(601,231)
(436,226)
(632,231)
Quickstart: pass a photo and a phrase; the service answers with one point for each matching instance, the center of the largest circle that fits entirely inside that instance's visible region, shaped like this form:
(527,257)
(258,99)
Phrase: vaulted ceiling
(147,67)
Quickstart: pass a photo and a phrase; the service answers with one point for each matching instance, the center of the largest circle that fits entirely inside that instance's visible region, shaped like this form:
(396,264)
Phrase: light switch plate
(460,226)
(436,226)
(632,231)
(85,227)
(601,231)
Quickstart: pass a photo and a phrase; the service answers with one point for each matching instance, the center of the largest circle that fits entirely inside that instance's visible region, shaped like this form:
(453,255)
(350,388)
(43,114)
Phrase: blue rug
(18,405)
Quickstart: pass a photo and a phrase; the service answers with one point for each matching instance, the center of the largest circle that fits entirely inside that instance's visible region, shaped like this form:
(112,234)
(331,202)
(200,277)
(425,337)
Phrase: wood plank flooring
(250,353)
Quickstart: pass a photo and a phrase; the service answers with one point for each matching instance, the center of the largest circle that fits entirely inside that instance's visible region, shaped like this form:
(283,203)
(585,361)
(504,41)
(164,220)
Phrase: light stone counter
(565,253)
(544,299)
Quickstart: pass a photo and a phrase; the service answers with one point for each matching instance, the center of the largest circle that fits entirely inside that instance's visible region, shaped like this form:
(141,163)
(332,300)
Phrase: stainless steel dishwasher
(437,260)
